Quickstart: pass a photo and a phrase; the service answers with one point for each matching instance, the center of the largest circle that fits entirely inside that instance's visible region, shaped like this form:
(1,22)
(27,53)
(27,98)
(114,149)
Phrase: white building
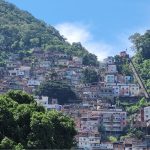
(89,142)
(21,71)
(33,82)
(134,90)
(45,103)
(54,107)
(13,72)
(106,146)
(109,60)
(111,68)
(146,113)
(62,62)
(77,60)
(116,90)
(45,64)
(12,64)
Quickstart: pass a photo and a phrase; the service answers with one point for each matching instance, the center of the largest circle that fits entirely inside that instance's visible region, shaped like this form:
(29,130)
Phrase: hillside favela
(60,93)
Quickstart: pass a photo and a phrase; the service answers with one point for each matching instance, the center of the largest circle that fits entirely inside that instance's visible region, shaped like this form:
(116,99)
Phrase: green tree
(57,89)
(20,97)
(112,139)
(27,125)
(64,130)
(42,131)
(7,123)
(123,65)
(143,102)
(7,143)
(141,44)
(90,60)
(90,76)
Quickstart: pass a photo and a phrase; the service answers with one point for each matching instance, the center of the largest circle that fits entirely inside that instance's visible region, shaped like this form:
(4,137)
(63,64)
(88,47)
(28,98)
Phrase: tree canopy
(26,125)
(90,60)
(90,76)
(58,90)
(141,44)
(123,65)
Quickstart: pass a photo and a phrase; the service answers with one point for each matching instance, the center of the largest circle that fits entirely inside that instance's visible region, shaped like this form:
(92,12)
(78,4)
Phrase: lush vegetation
(25,125)
(90,60)
(132,132)
(20,31)
(57,89)
(134,108)
(141,46)
(123,65)
(112,139)
(90,76)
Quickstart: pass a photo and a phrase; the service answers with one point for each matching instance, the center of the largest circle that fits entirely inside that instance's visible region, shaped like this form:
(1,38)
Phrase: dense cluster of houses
(122,85)
(94,117)
(28,73)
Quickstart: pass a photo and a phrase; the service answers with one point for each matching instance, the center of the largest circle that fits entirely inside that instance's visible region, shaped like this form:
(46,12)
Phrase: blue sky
(102,26)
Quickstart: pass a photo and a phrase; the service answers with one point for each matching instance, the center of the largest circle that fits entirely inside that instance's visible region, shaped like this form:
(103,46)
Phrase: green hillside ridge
(19,30)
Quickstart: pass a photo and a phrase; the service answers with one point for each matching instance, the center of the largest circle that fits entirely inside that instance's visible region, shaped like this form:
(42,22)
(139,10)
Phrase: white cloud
(124,43)
(100,49)
(75,32)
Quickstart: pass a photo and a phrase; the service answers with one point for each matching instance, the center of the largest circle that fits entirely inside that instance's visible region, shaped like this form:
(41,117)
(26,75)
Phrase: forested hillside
(19,30)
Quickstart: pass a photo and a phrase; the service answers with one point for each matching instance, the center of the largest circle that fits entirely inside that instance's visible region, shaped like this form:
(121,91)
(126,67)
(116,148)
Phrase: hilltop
(20,31)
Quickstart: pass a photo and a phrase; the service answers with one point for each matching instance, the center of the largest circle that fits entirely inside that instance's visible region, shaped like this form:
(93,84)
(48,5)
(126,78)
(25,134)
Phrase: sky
(102,26)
